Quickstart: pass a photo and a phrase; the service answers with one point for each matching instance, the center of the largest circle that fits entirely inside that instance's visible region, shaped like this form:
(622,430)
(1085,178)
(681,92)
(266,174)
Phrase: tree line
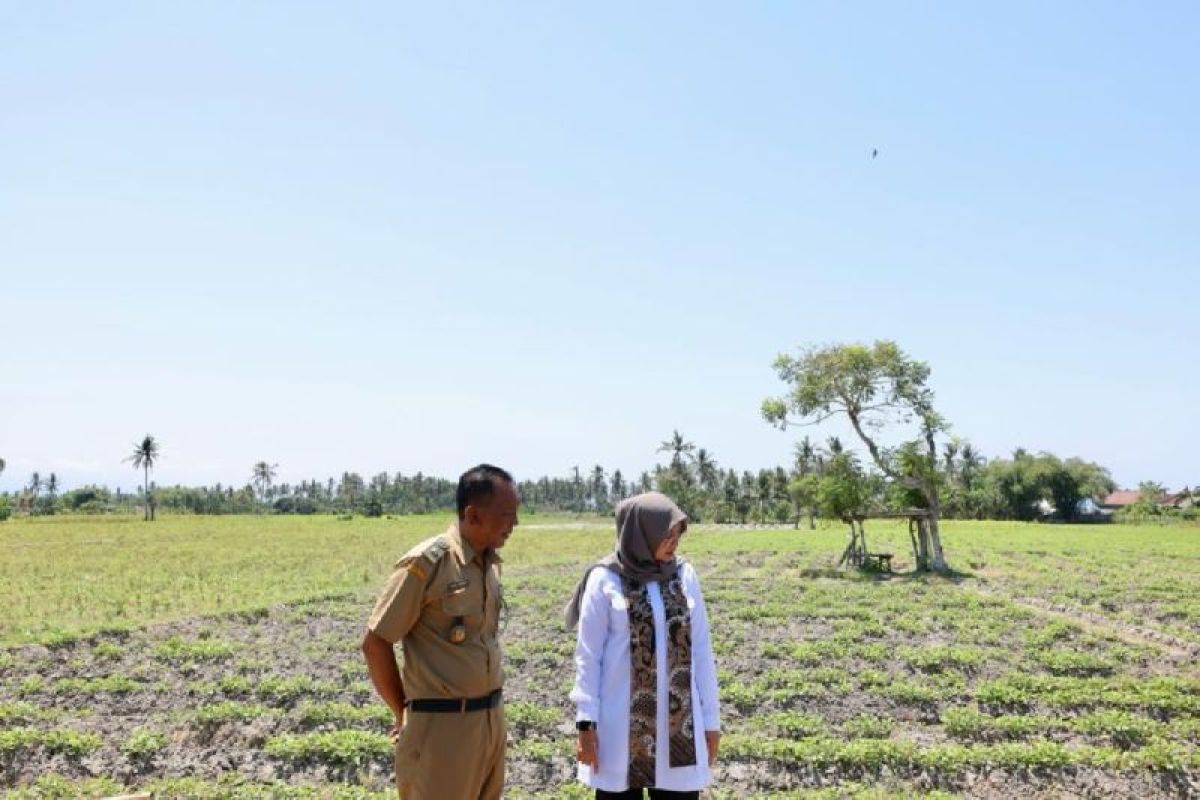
(825,480)
(908,460)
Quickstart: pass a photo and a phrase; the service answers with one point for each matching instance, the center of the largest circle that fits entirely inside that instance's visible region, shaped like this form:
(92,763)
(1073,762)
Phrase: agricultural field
(218,657)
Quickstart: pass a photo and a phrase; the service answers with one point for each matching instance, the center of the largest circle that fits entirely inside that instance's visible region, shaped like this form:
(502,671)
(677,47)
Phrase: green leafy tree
(803,493)
(145,455)
(1151,492)
(842,491)
(874,387)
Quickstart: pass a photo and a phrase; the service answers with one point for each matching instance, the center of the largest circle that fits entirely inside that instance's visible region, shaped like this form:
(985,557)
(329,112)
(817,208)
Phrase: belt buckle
(462,705)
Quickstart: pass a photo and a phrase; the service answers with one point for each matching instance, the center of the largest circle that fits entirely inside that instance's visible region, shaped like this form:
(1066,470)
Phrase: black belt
(447,705)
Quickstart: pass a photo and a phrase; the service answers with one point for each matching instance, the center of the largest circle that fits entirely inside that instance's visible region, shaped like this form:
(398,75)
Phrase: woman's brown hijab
(643,521)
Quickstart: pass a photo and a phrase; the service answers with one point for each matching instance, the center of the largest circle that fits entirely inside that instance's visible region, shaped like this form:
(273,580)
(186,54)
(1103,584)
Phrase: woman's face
(666,548)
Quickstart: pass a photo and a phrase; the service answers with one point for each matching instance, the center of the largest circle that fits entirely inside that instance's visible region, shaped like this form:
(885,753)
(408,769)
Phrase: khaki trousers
(452,756)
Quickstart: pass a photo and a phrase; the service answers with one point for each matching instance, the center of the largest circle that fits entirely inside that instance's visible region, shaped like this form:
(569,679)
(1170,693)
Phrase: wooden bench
(882,560)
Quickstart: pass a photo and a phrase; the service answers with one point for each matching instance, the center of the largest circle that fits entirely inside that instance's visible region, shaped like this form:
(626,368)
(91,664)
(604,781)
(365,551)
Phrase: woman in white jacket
(645,689)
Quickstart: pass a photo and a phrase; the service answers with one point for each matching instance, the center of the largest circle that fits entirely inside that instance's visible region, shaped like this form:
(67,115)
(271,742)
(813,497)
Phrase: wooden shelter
(856,553)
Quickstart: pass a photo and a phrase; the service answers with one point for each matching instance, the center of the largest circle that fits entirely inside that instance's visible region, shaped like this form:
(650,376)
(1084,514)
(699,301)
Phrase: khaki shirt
(438,580)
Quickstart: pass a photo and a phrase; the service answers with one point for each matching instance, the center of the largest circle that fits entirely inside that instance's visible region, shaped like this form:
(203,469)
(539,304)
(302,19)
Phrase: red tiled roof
(1122,497)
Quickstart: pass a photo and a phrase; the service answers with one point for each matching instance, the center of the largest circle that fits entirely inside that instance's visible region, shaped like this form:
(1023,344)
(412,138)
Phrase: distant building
(1119,499)
(1126,497)
(1181,500)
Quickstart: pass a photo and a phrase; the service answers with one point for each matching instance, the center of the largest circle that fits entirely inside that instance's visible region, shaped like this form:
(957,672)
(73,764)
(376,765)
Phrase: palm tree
(598,489)
(2,465)
(145,453)
(762,487)
(52,486)
(969,462)
(950,450)
(677,447)
(262,478)
(806,456)
(35,485)
(618,487)
(706,470)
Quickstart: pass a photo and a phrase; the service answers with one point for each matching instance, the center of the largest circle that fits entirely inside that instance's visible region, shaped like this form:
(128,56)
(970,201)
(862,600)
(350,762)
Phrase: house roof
(1122,497)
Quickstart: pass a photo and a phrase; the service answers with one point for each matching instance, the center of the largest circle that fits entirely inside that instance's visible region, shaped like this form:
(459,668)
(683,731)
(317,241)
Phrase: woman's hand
(713,740)
(587,749)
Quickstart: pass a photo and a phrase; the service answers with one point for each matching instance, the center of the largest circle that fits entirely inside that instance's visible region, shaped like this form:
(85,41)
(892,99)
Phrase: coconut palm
(806,456)
(950,451)
(707,471)
(145,453)
(264,475)
(677,447)
(969,463)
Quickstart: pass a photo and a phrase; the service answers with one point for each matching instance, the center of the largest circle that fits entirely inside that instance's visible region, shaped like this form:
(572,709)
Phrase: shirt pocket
(456,602)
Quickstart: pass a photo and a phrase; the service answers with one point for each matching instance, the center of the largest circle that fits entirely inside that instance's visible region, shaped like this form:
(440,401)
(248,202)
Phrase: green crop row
(951,759)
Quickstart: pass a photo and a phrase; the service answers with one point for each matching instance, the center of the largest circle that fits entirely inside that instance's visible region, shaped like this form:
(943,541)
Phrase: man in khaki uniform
(442,604)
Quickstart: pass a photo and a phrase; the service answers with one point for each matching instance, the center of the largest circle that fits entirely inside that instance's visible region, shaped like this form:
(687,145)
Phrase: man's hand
(394,733)
(713,740)
(587,750)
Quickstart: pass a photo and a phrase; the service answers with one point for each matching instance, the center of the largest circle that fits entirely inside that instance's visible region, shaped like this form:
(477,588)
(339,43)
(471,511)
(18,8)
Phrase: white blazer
(601,691)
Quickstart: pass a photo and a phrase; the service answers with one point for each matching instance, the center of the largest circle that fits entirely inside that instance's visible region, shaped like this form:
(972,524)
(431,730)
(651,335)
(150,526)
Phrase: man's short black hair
(476,484)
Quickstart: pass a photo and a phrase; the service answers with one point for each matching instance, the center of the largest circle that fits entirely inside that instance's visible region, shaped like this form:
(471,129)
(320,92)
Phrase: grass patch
(178,651)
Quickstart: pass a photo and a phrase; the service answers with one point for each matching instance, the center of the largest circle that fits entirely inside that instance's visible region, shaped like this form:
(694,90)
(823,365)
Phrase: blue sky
(367,236)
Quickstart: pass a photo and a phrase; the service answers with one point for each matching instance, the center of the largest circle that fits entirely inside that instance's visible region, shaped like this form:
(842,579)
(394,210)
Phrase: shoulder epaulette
(425,559)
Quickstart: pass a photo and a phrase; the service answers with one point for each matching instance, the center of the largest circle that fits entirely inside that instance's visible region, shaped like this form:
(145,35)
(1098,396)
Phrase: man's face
(494,517)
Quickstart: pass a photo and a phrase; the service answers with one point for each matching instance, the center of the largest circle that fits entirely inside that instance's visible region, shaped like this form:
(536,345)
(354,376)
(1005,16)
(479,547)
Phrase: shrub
(1125,729)
(868,726)
(144,745)
(1071,662)
(343,748)
(796,725)
(228,711)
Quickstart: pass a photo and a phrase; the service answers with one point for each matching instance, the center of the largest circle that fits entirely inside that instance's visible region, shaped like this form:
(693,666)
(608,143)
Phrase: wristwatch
(585,725)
